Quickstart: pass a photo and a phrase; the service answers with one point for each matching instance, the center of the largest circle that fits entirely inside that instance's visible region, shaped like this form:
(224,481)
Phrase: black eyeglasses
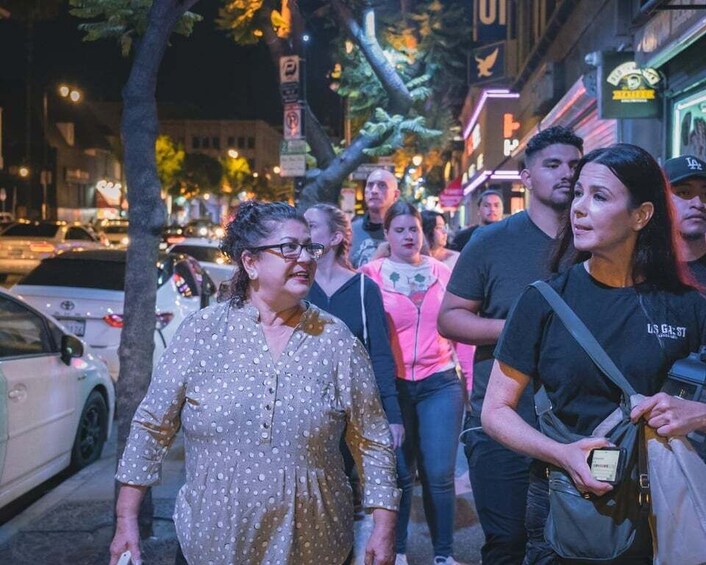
(292,249)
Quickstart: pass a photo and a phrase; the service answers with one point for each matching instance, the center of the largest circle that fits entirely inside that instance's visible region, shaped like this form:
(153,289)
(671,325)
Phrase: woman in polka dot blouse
(264,386)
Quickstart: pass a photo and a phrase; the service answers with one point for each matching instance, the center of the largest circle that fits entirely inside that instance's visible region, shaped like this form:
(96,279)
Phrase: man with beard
(687,180)
(490,210)
(381,192)
(492,271)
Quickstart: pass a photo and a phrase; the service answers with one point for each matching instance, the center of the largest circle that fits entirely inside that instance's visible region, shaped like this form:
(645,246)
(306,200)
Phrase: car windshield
(202,253)
(81,273)
(31,230)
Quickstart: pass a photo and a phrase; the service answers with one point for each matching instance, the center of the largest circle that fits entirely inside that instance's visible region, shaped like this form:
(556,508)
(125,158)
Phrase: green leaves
(122,20)
(394,130)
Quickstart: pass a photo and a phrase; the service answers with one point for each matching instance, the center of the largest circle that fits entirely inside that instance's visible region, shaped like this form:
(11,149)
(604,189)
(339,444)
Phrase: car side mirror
(71,347)
(208,289)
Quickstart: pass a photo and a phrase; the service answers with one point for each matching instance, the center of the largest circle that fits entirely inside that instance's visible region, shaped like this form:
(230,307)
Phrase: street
(68,519)
(72,523)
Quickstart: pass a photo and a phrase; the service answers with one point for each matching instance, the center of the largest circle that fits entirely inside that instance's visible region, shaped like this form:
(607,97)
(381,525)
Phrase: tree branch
(397,92)
(324,186)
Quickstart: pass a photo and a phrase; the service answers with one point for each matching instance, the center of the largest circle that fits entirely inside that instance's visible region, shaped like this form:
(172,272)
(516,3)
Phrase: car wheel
(91,433)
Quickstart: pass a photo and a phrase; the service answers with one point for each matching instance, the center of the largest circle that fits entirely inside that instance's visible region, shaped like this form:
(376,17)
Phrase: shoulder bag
(593,528)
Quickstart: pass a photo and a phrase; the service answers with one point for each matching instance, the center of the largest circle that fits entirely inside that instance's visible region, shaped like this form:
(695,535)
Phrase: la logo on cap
(693,164)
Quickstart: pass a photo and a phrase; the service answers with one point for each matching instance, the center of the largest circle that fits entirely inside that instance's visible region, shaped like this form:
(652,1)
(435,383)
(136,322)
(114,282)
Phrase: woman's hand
(381,545)
(671,415)
(127,538)
(574,459)
(127,532)
(397,435)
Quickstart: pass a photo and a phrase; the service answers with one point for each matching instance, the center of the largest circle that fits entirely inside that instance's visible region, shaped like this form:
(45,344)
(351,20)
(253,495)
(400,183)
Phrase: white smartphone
(125,558)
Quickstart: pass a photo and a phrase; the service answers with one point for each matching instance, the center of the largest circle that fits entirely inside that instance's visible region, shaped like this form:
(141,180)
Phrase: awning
(451,196)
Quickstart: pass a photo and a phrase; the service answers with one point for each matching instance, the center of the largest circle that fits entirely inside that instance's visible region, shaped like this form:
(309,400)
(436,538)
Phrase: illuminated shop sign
(627,91)
(490,137)
(689,125)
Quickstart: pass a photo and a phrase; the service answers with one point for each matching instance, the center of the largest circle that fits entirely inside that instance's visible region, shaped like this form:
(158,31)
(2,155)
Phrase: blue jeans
(539,552)
(432,410)
(499,479)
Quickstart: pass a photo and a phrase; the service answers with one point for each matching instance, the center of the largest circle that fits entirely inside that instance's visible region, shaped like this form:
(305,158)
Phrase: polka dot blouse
(265,481)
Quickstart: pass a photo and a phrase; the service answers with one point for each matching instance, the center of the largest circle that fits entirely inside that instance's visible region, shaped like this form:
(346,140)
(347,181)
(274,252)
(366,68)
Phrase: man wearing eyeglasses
(687,180)
(381,192)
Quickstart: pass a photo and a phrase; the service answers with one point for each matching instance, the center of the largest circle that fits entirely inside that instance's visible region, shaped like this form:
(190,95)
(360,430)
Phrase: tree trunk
(400,100)
(316,137)
(325,184)
(147,216)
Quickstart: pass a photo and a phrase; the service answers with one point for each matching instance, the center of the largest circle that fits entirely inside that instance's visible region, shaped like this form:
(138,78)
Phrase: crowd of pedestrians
(342,363)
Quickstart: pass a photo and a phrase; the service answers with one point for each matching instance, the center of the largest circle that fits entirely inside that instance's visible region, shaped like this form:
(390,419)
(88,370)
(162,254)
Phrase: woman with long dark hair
(627,286)
(436,233)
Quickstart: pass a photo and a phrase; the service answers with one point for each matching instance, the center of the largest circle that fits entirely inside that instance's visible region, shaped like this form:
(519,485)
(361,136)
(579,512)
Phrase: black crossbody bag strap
(585,339)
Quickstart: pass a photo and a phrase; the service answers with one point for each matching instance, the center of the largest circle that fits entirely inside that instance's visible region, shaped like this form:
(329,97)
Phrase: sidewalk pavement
(73,524)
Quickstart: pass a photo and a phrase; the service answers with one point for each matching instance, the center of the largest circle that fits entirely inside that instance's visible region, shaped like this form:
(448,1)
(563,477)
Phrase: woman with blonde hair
(356,300)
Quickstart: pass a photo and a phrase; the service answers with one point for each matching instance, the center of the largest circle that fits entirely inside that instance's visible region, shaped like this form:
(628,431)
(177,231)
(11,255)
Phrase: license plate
(76,327)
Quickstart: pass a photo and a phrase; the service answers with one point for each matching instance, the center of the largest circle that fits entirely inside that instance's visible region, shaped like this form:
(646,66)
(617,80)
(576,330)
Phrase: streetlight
(72,94)
(233,154)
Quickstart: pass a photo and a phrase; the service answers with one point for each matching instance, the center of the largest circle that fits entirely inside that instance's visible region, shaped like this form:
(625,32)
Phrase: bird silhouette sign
(490,62)
(485,64)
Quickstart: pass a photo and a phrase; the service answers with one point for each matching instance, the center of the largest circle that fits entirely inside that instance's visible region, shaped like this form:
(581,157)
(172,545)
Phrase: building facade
(255,140)
(628,71)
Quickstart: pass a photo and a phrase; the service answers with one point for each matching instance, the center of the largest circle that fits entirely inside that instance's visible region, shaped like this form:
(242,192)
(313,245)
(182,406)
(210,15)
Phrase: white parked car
(115,232)
(85,291)
(24,244)
(207,252)
(56,399)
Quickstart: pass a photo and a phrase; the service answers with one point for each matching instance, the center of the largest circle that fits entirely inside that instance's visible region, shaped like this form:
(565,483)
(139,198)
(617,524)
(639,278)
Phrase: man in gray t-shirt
(381,192)
(494,268)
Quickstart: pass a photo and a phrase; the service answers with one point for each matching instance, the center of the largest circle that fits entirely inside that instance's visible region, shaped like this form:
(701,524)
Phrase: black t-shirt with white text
(643,331)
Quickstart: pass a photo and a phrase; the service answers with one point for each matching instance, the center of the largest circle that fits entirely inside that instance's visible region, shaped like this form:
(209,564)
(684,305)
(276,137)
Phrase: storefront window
(689,126)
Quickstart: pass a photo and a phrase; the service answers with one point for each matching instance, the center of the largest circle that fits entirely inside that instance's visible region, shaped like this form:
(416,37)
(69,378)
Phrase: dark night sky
(206,71)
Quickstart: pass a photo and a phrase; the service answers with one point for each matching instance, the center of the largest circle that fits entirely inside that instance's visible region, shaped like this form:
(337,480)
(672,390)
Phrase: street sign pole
(292,75)
(300,181)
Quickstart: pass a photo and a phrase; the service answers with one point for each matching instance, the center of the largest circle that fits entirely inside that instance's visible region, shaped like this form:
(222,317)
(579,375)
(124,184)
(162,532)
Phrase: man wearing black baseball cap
(687,180)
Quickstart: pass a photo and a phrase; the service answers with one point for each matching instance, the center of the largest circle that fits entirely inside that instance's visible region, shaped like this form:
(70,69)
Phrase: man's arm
(459,321)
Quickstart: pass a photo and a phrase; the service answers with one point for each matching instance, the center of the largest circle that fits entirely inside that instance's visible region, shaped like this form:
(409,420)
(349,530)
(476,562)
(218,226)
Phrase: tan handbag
(678,492)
